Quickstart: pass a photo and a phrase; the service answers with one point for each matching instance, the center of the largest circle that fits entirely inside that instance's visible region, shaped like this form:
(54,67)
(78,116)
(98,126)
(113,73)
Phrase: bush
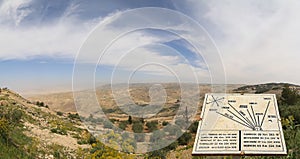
(289,96)
(123,125)
(59,131)
(112,120)
(4,128)
(172,146)
(184,139)
(73,116)
(165,123)
(137,127)
(290,110)
(40,104)
(107,124)
(59,113)
(16,115)
(194,127)
(152,125)
(92,140)
(161,153)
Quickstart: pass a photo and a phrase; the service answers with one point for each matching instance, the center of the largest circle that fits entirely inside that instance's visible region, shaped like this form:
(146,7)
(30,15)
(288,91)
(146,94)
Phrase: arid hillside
(35,131)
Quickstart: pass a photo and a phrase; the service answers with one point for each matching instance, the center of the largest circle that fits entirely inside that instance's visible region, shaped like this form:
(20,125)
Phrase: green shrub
(59,113)
(107,124)
(184,139)
(165,123)
(59,131)
(137,127)
(289,96)
(194,127)
(74,116)
(40,104)
(152,125)
(123,124)
(16,115)
(172,146)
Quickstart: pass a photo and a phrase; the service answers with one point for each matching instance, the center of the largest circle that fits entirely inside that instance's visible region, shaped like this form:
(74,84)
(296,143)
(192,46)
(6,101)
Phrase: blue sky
(39,40)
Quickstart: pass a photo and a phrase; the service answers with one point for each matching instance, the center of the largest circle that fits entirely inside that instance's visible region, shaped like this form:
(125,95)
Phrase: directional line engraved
(215,100)
(234,120)
(251,117)
(239,114)
(265,114)
(248,125)
(258,120)
(250,122)
(254,116)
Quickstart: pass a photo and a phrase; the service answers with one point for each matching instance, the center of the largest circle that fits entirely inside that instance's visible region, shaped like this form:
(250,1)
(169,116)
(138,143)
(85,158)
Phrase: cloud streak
(61,38)
(258,40)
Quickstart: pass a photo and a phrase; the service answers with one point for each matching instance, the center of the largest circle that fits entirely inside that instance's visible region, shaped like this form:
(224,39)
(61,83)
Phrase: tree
(289,95)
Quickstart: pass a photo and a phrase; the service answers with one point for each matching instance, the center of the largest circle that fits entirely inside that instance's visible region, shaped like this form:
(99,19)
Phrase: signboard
(235,124)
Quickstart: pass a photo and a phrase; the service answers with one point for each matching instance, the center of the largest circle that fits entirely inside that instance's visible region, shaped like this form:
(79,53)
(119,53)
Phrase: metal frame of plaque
(239,124)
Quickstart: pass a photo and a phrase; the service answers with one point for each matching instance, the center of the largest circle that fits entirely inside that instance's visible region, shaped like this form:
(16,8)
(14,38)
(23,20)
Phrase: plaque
(235,124)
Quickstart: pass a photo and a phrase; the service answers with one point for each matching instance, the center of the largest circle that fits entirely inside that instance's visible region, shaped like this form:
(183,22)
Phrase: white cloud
(10,11)
(61,38)
(64,37)
(54,40)
(258,40)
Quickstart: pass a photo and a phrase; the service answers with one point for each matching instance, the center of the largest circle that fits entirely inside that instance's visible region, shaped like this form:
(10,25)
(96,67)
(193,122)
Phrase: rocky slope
(47,134)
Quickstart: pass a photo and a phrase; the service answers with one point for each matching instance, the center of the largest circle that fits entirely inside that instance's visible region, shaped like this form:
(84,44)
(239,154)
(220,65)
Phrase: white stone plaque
(235,124)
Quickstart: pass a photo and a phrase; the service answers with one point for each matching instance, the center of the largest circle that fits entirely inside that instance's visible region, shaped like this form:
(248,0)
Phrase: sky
(253,42)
